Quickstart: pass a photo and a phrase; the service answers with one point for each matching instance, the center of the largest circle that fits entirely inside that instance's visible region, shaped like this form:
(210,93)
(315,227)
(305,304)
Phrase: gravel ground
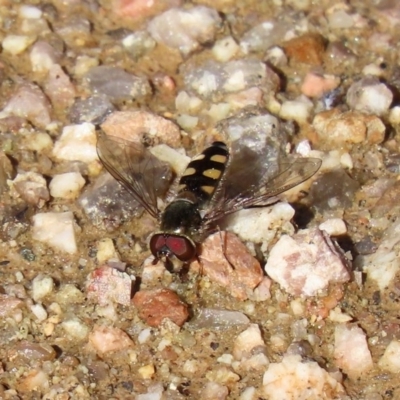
(297,300)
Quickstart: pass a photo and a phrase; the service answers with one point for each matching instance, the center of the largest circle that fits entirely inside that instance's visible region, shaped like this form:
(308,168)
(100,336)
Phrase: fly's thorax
(204,173)
(182,217)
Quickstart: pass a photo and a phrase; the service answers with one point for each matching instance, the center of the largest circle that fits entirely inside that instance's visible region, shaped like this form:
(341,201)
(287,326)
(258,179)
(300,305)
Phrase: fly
(205,192)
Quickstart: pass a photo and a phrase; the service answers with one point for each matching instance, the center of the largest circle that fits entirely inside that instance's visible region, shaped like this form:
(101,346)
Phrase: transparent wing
(288,175)
(141,173)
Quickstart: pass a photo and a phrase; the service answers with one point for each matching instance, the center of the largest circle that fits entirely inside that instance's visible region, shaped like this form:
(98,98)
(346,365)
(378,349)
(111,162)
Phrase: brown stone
(156,305)
(307,49)
(228,262)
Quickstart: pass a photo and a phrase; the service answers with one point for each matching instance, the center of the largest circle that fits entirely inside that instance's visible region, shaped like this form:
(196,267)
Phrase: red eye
(181,247)
(168,245)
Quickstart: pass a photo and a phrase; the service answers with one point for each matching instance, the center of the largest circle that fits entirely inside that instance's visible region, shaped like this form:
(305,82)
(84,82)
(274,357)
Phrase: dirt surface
(52,351)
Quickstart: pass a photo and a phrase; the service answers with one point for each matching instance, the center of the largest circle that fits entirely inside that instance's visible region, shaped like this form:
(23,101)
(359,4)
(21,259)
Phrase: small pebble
(56,230)
(42,286)
(17,44)
(156,305)
(67,186)
(369,95)
(307,263)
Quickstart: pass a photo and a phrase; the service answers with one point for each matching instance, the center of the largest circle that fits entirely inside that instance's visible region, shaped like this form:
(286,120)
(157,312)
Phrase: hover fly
(205,192)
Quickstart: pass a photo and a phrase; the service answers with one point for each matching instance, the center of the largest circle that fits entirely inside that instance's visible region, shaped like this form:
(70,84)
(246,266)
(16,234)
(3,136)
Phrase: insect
(206,191)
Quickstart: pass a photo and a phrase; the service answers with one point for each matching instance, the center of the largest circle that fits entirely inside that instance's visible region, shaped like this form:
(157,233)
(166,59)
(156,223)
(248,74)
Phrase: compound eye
(181,247)
(157,243)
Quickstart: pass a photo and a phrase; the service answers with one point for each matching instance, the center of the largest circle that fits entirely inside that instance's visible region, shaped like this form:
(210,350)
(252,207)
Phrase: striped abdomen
(204,172)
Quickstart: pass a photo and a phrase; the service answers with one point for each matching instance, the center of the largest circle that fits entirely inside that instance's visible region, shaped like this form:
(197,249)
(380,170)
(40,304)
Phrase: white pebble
(246,342)
(294,379)
(351,350)
(106,251)
(369,95)
(187,122)
(394,115)
(258,224)
(334,227)
(340,19)
(67,186)
(144,335)
(248,394)
(77,142)
(346,161)
(306,263)
(42,286)
(29,12)
(303,148)
(298,110)
(56,230)
(177,160)
(219,111)
(224,49)
(390,361)
(38,141)
(75,328)
(17,44)
(383,265)
(39,312)
(187,29)
(185,103)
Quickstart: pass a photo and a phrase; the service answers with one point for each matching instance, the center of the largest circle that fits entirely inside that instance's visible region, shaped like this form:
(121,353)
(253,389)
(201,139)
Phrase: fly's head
(169,247)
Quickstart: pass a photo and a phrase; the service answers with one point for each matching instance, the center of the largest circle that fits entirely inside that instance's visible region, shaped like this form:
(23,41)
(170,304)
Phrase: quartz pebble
(259,225)
(108,198)
(56,229)
(232,76)
(351,351)
(383,265)
(29,102)
(349,127)
(77,142)
(307,263)
(31,187)
(187,28)
(42,286)
(138,43)
(369,95)
(214,391)
(209,318)
(43,56)
(106,339)
(117,84)
(298,110)
(156,305)
(105,285)
(262,36)
(315,85)
(248,343)
(227,261)
(75,328)
(139,126)
(390,361)
(174,158)
(8,304)
(35,380)
(17,44)
(294,379)
(59,88)
(334,227)
(225,49)
(66,186)
(93,109)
